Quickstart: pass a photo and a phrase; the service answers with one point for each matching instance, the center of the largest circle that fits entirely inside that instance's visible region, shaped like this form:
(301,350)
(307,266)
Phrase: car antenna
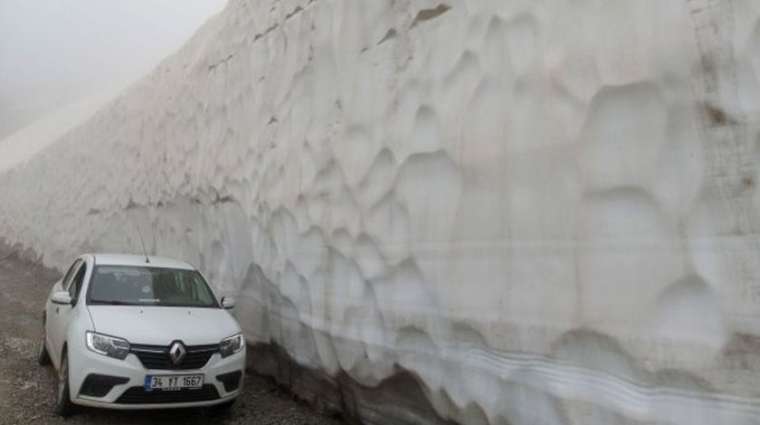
(142,243)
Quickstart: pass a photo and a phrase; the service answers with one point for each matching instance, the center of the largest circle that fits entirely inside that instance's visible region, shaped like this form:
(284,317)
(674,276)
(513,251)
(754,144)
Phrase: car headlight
(110,346)
(231,345)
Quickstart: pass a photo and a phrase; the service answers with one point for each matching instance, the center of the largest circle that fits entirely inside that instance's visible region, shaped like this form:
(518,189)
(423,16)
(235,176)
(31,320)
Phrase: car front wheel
(43,358)
(63,405)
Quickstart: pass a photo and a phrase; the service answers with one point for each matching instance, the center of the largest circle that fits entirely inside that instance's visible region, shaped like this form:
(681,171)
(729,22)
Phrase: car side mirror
(228,303)
(61,297)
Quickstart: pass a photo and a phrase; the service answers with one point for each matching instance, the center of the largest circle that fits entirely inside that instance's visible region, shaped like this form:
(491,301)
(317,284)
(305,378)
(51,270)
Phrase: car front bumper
(129,394)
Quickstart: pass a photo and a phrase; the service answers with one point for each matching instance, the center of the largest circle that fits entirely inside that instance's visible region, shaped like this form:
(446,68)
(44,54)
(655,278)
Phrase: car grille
(138,395)
(157,356)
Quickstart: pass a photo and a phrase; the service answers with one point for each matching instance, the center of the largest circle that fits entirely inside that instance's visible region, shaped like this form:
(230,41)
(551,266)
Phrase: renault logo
(177,353)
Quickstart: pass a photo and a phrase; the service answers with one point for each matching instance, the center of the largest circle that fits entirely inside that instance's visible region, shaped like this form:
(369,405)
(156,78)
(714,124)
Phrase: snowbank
(24,144)
(547,213)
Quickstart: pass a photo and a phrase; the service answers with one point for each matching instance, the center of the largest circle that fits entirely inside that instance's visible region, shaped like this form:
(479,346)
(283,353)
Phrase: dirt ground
(27,391)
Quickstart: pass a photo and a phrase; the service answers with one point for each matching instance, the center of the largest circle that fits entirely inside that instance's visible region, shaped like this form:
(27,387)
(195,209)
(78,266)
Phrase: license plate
(173,382)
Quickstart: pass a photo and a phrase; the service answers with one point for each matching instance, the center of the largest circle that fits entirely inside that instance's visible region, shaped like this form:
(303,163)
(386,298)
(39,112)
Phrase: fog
(54,52)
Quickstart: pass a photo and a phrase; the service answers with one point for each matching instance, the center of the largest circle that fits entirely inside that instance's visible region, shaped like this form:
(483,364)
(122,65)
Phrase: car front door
(57,314)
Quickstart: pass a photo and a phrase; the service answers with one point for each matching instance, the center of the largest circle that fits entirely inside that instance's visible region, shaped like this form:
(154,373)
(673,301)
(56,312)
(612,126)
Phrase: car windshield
(149,286)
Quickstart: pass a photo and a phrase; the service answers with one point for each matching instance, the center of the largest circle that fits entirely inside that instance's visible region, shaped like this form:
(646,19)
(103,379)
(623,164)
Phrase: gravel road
(27,390)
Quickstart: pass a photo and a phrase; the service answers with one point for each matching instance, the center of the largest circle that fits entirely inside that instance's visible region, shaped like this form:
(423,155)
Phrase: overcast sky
(58,51)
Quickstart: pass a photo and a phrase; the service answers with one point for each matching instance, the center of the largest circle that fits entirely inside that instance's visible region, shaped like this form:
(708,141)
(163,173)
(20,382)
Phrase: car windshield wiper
(110,302)
(182,305)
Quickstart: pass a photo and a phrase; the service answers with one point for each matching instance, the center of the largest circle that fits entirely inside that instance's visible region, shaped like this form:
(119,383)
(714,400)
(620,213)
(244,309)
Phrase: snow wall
(541,212)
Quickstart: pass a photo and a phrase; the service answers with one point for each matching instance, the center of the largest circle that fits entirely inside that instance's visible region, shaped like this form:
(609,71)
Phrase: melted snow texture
(548,212)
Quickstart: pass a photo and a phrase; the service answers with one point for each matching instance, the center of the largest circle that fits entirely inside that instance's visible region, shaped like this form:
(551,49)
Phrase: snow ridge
(546,213)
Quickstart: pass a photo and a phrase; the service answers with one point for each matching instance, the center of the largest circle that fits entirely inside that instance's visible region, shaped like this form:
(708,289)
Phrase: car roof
(139,260)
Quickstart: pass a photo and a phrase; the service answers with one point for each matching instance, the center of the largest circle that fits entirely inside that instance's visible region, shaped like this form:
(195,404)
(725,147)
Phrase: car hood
(162,325)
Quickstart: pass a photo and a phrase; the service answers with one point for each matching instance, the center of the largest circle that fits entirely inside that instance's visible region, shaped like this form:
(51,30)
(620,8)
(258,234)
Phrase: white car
(137,332)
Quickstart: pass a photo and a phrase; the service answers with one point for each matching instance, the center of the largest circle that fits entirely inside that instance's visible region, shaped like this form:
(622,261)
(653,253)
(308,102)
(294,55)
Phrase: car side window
(76,283)
(70,274)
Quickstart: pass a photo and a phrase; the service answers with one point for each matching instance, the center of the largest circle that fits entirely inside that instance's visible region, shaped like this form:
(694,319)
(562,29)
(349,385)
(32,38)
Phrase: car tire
(63,405)
(43,357)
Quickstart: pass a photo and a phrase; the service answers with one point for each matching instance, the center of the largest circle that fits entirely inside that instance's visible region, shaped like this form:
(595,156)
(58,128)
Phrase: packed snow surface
(546,211)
